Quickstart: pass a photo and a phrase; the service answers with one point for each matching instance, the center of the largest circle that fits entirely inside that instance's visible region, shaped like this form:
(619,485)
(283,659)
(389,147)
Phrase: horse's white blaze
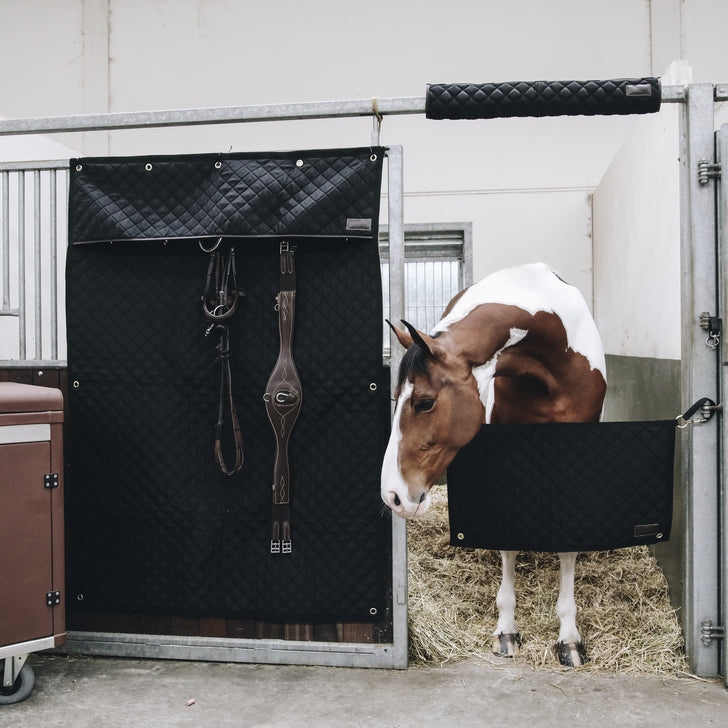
(535,287)
(393,486)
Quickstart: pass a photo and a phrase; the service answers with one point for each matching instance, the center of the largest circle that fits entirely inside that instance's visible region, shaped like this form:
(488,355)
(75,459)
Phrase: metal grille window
(437,265)
(33,244)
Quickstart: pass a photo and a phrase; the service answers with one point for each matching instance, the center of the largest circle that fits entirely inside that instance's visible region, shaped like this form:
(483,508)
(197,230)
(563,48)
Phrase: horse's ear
(425,342)
(402,336)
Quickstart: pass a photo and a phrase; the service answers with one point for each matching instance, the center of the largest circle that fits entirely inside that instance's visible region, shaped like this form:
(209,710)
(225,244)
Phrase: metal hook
(212,249)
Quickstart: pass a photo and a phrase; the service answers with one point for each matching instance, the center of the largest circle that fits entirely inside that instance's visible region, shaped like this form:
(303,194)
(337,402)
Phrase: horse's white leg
(506,640)
(569,648)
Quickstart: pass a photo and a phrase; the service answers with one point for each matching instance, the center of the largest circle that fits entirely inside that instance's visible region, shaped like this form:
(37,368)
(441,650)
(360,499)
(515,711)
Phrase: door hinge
(710,632)
(50,480)
(707,171)
(53,598)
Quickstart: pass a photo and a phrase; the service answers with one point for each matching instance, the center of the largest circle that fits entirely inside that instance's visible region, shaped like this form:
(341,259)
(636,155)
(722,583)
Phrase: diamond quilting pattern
(563,487)
(296,194)
(154,527)
(543,98)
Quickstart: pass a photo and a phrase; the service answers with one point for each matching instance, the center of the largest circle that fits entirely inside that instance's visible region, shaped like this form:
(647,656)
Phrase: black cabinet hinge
(50,480)
(53,598)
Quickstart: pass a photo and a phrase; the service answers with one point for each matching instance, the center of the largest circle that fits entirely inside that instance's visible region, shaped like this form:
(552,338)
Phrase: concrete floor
(129,693)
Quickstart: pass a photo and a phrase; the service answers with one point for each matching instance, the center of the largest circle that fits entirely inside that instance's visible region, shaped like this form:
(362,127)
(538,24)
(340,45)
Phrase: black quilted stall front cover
(154,526)
(563,486)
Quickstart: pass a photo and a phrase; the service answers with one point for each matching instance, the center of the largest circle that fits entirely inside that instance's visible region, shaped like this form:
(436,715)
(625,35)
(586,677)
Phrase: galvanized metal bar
(22,338)
(699,374)
(395,106)
(395,227)
(219,115)
(53,252)
(37,265)
(5,181)
(29,166)
(214,649)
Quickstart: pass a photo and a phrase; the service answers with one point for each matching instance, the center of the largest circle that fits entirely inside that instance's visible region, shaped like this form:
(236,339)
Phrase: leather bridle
(219,303)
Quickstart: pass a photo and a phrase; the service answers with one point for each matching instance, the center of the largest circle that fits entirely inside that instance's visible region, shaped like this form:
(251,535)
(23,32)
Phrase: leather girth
(283,404)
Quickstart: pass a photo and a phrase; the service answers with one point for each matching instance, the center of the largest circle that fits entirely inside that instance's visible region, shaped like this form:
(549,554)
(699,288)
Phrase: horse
(520,346)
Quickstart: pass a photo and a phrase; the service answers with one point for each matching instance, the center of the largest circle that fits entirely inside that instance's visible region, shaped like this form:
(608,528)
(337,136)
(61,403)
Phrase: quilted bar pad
(563,486)
(542,98)
(332,193)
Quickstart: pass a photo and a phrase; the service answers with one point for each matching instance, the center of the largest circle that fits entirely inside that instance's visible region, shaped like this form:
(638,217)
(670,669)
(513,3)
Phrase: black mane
(414,361)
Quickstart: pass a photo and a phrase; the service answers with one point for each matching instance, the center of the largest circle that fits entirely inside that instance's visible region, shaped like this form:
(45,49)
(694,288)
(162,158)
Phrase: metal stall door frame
(713,633)
(701,470)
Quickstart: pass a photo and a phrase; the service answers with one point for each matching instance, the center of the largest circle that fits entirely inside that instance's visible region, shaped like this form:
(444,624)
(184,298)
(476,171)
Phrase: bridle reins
(219,303)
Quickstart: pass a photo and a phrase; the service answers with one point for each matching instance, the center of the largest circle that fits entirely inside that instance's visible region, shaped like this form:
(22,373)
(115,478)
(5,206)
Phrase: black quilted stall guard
(542,98)
(563,486)
(154,527)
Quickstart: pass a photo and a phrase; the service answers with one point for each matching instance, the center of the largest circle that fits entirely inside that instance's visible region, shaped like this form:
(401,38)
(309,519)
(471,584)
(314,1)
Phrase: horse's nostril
(422,497)
(397,501)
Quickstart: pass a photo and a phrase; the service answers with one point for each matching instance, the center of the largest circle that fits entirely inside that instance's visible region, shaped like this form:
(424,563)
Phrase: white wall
(637,242)
(524,183)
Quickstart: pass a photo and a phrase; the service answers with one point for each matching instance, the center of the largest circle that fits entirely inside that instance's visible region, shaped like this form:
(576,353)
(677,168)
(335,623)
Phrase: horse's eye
(424,405)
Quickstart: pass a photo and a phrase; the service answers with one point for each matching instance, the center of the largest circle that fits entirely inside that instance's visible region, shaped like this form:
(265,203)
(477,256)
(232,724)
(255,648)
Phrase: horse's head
(438,411)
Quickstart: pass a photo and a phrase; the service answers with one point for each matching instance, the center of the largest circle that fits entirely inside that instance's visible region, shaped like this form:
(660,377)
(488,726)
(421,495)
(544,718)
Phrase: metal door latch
(707,171)
(710,632)
(713,325)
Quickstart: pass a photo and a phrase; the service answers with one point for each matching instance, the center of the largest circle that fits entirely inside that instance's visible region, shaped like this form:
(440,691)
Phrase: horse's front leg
(569,649)
(506,640)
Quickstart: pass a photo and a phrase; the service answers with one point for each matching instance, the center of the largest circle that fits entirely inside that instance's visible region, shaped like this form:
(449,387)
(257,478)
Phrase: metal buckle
(287,548)
(275,547)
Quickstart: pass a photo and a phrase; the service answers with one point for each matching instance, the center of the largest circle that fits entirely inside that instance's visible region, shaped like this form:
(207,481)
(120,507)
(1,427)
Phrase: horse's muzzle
(405,505)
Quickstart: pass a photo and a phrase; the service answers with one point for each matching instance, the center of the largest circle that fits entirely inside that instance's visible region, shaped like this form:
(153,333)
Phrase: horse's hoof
(507,645)
(571,654)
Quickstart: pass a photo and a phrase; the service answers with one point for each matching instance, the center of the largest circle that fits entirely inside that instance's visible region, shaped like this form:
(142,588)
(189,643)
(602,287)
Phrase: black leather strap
(219,303)
(283,400)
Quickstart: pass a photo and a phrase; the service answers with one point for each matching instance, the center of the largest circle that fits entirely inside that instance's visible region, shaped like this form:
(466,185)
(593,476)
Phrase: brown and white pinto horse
(520,346)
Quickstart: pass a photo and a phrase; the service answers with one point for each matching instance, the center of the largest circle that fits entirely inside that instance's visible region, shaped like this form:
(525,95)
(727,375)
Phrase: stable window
(438,263)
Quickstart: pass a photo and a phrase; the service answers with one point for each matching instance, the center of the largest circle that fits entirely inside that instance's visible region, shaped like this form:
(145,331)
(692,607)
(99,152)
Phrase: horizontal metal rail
(241,114)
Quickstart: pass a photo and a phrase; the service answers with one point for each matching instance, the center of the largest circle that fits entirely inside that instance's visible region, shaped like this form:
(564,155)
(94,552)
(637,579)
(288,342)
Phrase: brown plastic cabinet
(32,613)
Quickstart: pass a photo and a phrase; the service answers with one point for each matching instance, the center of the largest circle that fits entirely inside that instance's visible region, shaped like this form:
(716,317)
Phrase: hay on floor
(624,613)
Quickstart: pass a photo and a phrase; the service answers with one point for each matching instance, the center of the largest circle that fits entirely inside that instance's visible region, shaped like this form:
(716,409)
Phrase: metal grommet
(461,537)
(218,165)
(373,158)
(148,167)
(40,373)
(373,386)
(659,535)
(266,397)
(299,163)
(76,384)
(79,597)
(79,167)
(373,611)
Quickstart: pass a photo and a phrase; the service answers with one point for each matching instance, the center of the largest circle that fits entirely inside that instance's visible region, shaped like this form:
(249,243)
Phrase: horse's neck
(485,331)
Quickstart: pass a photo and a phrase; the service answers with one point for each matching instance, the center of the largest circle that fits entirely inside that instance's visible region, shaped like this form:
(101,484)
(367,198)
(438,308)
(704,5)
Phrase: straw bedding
(625,617)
